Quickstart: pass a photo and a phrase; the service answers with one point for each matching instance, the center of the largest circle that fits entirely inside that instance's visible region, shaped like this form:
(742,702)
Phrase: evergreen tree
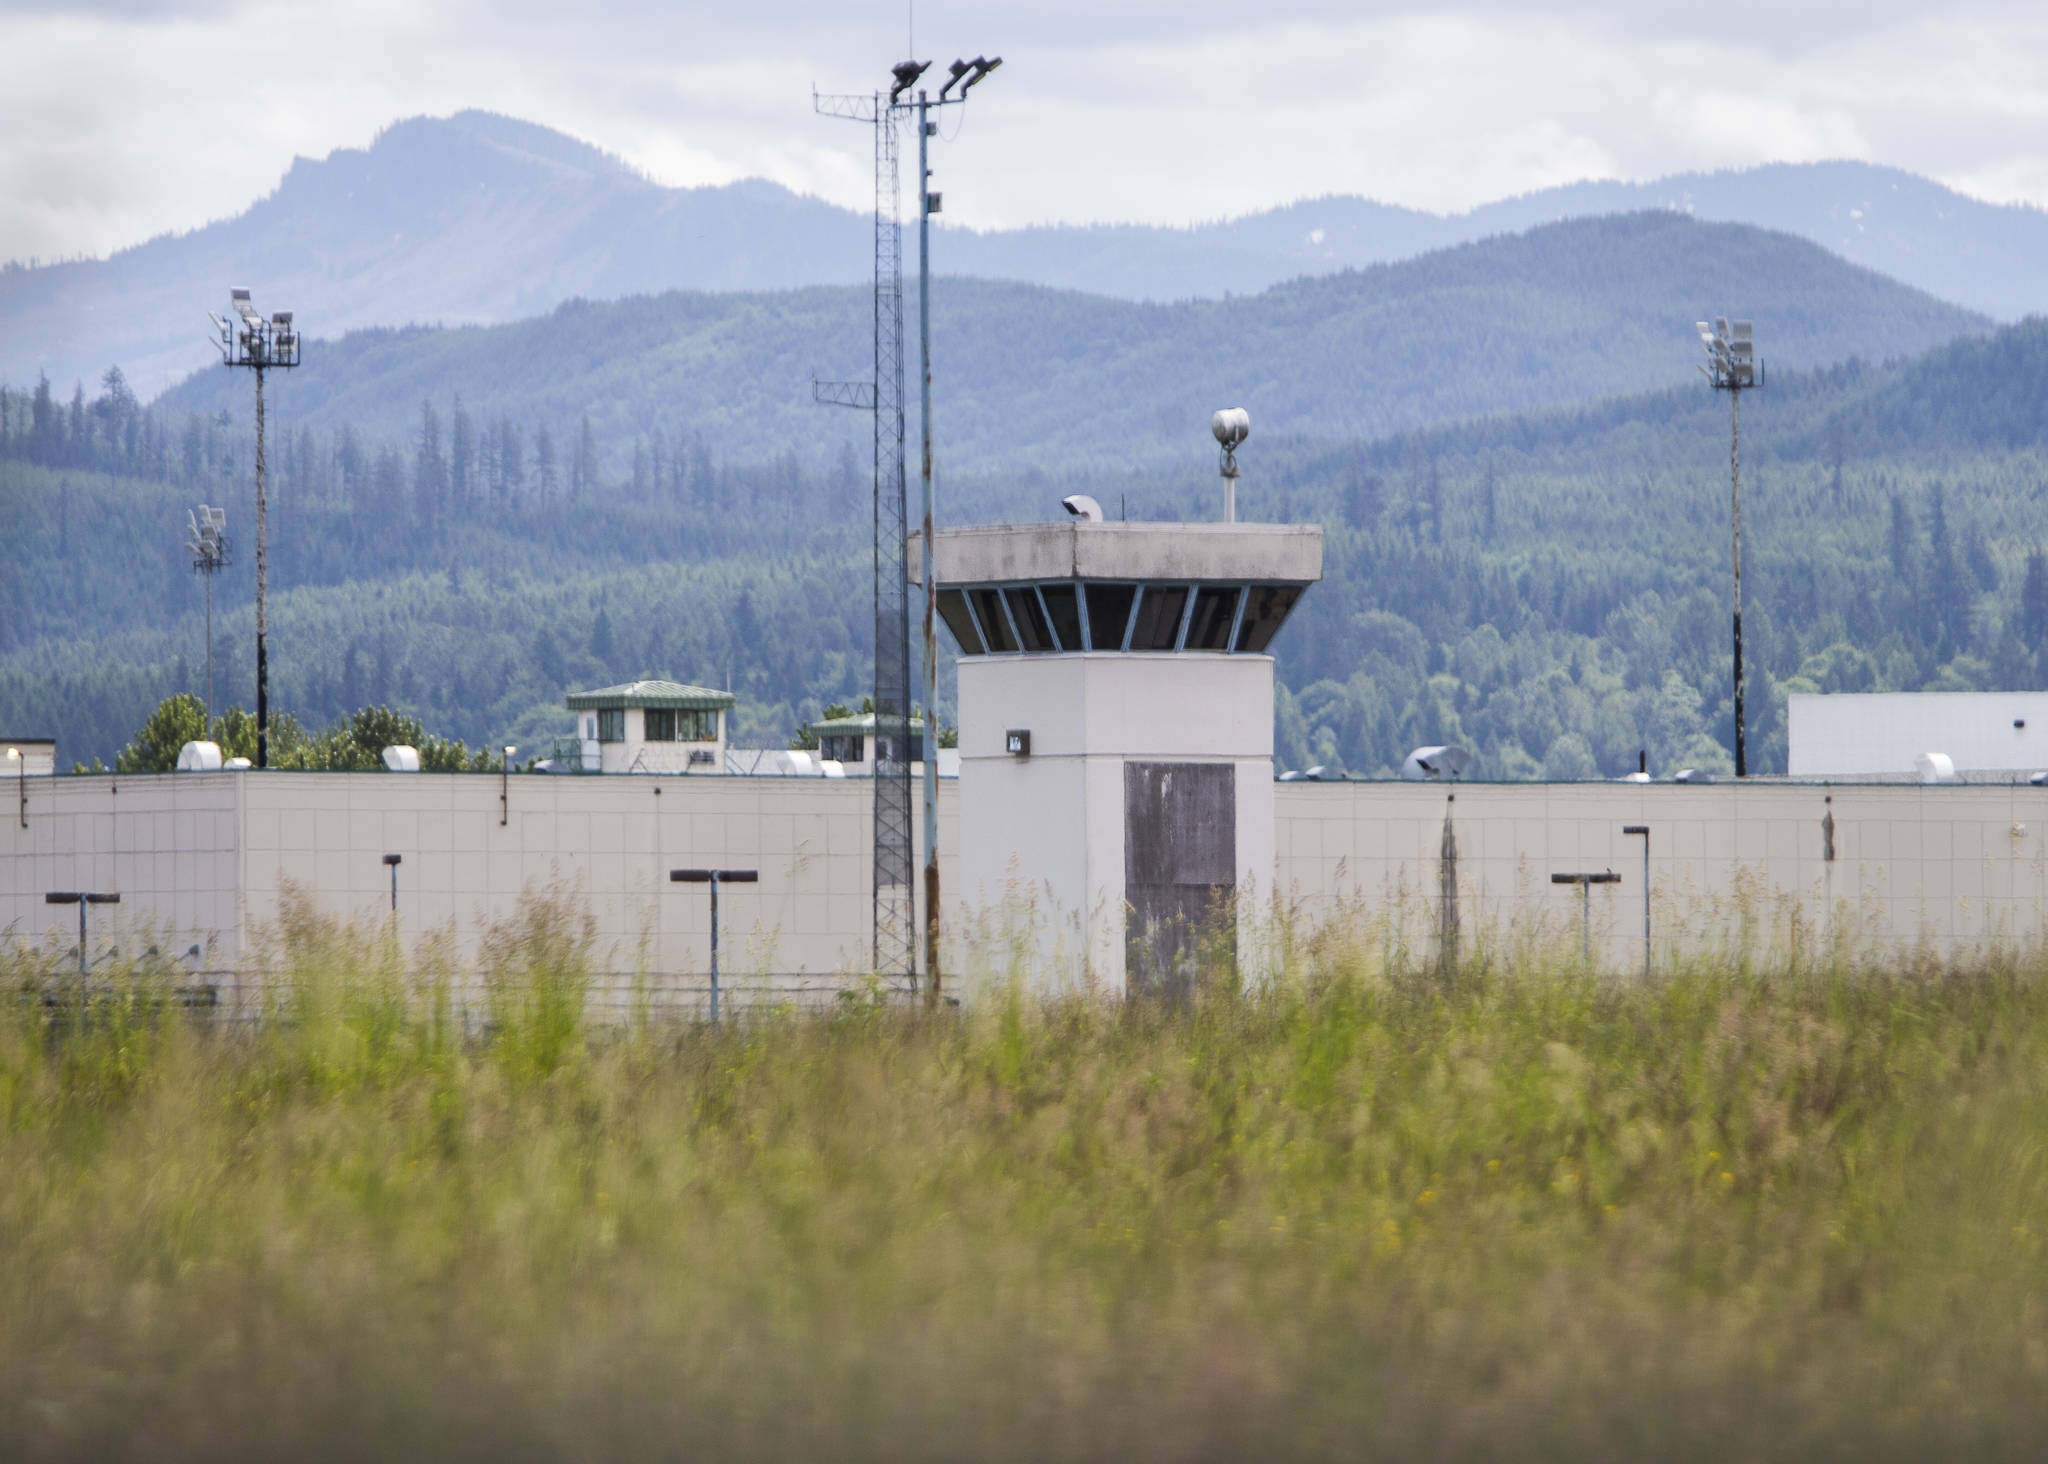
(2034,603)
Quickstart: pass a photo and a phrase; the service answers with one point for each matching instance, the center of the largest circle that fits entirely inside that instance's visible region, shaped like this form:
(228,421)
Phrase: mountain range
(479,218)
(1060,380)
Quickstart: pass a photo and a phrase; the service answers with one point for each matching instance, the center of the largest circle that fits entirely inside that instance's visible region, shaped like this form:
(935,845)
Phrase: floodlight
(1082,507)
(953,74)
(906,74)
(981,70)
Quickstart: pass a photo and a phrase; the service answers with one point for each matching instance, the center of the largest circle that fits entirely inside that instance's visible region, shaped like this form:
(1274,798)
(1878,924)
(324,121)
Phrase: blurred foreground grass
(1526,1214)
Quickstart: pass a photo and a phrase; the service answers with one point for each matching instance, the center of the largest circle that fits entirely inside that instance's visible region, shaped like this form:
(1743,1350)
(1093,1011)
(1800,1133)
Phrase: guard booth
(1116,735)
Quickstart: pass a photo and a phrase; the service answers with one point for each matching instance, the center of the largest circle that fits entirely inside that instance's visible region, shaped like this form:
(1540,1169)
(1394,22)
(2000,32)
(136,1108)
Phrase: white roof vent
(398,758)
(1426,764)
(1935,767)
(199,757)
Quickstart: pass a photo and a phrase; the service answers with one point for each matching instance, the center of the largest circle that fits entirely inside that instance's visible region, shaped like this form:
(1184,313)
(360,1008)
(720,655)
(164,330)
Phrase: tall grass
(1511,1210)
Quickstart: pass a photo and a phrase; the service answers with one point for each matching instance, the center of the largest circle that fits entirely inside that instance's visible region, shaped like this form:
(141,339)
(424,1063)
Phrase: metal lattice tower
(895,950)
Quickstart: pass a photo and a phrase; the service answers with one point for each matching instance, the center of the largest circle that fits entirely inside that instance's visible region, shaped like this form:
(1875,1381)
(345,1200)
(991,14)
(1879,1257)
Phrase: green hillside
(1035,377)
(1549,589)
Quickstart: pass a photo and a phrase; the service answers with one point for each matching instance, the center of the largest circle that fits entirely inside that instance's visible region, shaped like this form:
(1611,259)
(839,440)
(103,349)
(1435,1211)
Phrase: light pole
(21,777)
(1643,831)
(1732,366)
(80,898)
(207,543)
(1585,882)
(714,878)
(391,862)
(967,75)
(505,788)
(258,344)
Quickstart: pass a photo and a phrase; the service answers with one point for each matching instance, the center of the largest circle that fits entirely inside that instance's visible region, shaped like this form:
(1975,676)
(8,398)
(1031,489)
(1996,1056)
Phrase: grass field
(1532,1214)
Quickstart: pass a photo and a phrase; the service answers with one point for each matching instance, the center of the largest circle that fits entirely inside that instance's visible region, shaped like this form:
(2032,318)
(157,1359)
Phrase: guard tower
(1116,731)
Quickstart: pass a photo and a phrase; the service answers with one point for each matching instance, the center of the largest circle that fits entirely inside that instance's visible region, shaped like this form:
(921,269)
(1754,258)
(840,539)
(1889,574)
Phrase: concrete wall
(1951,867)
(1882,733)
(1046,832)
(209,855)
(203,858)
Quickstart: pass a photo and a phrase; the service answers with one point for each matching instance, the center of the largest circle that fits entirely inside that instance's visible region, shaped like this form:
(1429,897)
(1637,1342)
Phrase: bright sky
(126,118)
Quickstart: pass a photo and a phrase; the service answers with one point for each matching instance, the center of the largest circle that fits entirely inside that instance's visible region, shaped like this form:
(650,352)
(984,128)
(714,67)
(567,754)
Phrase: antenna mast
(895,750)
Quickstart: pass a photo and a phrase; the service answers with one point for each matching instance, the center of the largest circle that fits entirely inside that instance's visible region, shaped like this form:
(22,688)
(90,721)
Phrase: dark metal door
(1180,868)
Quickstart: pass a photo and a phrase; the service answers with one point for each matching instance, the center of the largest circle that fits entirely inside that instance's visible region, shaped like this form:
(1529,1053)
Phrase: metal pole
(1586,920)
(714,947)
(1643,831)
(931,639)
(262,613)
(505,790)
(206,721)
(81,935)
(1735,479)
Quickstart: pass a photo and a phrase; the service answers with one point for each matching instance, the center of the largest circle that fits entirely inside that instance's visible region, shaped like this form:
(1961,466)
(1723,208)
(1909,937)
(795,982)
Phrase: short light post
(1642,831)
(714,878)
(21,777)
(505,788)
(1585,882)
(391,862)
(81,898)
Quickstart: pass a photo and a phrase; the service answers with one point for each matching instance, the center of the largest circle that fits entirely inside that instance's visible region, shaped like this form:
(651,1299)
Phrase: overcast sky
(122,119)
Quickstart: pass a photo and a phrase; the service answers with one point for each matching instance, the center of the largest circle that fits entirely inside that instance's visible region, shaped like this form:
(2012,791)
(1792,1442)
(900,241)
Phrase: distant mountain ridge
(479,218)
(1566,313)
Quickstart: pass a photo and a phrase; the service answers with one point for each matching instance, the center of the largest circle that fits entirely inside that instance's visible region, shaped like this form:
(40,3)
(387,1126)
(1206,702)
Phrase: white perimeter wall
(208,856)
(1951,867)
(1860,734)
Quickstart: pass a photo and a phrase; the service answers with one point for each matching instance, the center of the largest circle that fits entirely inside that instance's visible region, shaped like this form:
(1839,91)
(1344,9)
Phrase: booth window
(988,609)
(953,610)
(1030,619)
(1215,609)
(1158,623)
(1264,612)
(1064,607)
(611,724)
(661,725)
(1109,614)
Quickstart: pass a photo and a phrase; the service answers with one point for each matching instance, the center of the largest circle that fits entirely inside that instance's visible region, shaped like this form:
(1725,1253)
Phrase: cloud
(126,119)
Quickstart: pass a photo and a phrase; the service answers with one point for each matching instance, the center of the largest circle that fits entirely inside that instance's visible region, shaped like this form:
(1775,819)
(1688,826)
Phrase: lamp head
(906,74)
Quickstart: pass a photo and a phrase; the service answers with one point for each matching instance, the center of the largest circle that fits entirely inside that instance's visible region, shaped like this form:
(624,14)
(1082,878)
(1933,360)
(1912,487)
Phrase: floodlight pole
(263,608)
(1735,518)
(259,344)
(1731,366)
(20,760)
(714,877)
(1585,882)
(931,638)
(80,898)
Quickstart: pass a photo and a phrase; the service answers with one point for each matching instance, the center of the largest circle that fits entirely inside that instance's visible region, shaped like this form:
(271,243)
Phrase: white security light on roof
(1427,764)
(1231,427)
(1082,507)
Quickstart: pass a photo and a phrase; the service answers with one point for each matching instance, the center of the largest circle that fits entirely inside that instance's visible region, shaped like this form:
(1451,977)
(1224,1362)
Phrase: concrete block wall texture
(211,858)
(1950,869)
(204,859)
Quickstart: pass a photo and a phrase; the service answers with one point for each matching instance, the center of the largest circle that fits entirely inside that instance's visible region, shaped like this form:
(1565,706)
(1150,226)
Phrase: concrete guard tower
(1116,731)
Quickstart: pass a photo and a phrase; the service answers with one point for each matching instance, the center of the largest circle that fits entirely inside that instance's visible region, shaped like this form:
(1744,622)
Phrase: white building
(1886,734)
(1116,731)
(648,727)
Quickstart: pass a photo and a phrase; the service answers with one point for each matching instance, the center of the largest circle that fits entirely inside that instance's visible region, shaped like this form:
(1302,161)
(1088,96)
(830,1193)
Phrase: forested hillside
(1550,589)
(1037,378)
